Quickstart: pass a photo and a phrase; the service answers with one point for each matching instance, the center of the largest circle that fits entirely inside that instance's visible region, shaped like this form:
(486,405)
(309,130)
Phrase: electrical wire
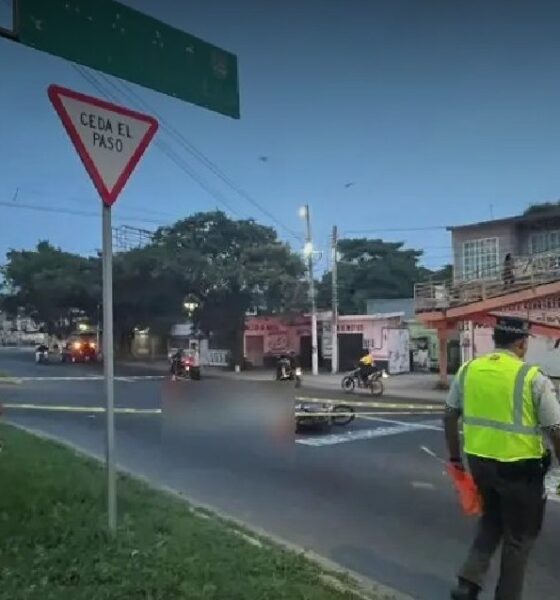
(162,145)
(189,147)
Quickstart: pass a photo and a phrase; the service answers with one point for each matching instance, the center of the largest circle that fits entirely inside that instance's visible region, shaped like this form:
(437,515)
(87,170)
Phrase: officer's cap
(517,327)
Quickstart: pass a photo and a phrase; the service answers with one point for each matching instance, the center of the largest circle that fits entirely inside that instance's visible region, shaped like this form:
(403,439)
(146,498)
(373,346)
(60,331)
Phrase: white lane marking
(361,434)
(371,404)
(422,485)
(552,482)
(82,409)
(129,379)
(431,424)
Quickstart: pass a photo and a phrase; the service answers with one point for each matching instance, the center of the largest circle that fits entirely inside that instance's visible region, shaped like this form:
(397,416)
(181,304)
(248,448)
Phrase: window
(544,241)
(480,258)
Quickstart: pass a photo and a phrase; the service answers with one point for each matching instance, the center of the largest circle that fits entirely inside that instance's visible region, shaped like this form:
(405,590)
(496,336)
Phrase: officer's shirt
(544,395)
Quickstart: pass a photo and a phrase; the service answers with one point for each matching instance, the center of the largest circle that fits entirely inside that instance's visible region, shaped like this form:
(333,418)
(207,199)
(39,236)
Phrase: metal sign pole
(108,367)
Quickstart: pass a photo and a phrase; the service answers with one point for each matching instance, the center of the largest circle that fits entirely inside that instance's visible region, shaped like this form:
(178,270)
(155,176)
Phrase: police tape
(365,415)
(368,404)
(80,409)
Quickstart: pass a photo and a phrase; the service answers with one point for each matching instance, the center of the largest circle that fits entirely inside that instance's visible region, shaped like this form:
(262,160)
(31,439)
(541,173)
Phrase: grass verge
(53,544)
(5,378)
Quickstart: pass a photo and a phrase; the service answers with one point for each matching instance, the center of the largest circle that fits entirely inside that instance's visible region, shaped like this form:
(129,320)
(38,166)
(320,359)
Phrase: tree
(542,208)
(51,285)
(370,269)
(230,266)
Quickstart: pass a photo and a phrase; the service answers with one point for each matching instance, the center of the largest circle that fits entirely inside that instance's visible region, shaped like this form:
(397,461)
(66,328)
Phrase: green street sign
(118,40)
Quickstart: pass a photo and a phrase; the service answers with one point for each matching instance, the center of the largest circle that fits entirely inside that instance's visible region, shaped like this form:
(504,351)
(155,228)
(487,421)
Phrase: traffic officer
(506,405)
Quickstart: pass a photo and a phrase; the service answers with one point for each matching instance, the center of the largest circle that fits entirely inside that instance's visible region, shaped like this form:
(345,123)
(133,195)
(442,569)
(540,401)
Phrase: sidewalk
(417,386)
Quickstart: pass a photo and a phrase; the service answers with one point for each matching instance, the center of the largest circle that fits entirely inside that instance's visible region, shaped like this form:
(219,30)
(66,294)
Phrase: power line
(397,230)
(163,146)
(70,211)
(189,147)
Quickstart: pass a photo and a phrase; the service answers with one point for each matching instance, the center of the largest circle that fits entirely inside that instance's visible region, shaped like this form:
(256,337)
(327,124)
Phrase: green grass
(53,544)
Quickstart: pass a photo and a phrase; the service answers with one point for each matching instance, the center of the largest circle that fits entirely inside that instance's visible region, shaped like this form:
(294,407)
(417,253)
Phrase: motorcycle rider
(367,366)
(176,362)
(283,367)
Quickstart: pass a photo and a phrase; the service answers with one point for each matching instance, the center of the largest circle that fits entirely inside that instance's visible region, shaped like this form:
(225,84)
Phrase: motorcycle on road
(285,371)
(374,382)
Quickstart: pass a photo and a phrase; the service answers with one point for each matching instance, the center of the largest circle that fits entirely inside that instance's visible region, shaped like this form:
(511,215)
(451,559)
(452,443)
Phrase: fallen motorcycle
(374,382)
(320,415)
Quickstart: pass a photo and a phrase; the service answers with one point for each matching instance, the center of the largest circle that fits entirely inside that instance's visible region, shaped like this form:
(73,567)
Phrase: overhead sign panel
(118,40)
(110,139)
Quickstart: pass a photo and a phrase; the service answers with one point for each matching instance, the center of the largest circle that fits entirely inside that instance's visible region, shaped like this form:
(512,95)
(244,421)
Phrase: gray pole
(108,367)
(334,327)
(314,340)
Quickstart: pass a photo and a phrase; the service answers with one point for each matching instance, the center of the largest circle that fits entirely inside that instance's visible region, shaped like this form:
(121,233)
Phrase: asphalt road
(365,496)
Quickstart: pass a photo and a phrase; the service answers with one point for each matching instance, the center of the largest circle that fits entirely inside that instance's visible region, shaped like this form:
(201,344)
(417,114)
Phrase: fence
(527,272)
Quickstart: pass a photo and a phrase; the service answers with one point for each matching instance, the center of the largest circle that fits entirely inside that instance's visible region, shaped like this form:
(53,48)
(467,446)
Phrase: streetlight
(308,254)
(190,306)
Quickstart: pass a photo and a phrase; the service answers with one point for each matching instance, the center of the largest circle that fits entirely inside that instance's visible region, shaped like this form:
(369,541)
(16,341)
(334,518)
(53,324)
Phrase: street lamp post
(308,253)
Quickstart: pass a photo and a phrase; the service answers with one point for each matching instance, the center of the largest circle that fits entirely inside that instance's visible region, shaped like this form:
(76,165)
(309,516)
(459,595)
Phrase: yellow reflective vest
(499,414)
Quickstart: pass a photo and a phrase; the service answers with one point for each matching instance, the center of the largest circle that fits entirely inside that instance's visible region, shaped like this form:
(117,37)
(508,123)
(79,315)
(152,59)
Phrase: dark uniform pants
(514,500)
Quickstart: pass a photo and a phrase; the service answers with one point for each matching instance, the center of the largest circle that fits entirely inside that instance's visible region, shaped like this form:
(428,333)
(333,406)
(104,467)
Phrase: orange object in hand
(470,498)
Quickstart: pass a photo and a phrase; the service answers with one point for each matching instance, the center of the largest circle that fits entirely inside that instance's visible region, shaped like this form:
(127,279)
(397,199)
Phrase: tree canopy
(373,268)
(228,265)
(51,285)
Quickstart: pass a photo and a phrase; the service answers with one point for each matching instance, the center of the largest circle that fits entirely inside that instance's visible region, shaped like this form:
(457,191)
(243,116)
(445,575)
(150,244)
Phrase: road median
(7,379)
(53,542)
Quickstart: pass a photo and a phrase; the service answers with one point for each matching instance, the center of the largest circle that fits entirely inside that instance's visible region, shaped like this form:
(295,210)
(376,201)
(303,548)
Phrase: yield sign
(110,139)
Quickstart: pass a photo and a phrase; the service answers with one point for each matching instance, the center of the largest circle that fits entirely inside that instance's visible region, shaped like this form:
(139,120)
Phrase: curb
(360,586)
(9,381)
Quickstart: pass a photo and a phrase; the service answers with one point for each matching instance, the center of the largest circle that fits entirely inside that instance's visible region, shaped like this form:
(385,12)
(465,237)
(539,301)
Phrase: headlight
(92,346)
(77,345)
(298,372)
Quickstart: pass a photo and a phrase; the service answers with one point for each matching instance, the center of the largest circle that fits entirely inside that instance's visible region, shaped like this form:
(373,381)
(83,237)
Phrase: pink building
(384,335)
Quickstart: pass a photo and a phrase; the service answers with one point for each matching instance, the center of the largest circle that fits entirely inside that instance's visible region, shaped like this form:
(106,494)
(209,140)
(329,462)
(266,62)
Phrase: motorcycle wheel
(348,384)
(345,418)
(376,388)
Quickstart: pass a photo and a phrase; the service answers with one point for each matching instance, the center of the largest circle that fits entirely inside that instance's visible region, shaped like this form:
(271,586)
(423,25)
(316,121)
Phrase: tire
(376,387)
(346,418)
(348,384)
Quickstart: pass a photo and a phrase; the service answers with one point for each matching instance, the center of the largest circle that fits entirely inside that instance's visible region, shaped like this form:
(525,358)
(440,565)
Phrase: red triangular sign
(110,139)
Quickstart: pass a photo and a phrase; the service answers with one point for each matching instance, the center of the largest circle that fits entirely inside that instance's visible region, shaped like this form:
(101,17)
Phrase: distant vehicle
(286,371)
(321,415)
(185,366)
(81,347)
(373,383)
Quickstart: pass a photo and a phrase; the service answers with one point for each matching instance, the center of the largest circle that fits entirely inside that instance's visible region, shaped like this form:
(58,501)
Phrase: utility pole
(334,325)
(309,255)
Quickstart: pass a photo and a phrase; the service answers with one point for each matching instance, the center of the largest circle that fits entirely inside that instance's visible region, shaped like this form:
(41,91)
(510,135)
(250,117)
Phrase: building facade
(384,336)
(480,249)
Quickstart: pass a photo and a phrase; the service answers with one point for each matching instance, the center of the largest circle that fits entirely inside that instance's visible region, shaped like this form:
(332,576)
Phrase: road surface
(365,496)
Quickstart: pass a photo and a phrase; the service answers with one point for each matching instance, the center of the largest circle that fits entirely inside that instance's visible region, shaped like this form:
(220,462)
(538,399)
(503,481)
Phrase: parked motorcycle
(374,382)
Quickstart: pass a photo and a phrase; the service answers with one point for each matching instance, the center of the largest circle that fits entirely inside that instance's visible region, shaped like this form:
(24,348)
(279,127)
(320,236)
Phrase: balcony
(528,272)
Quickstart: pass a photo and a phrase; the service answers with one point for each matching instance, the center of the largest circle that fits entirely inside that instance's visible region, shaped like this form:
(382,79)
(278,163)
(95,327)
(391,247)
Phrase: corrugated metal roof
(392,305)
